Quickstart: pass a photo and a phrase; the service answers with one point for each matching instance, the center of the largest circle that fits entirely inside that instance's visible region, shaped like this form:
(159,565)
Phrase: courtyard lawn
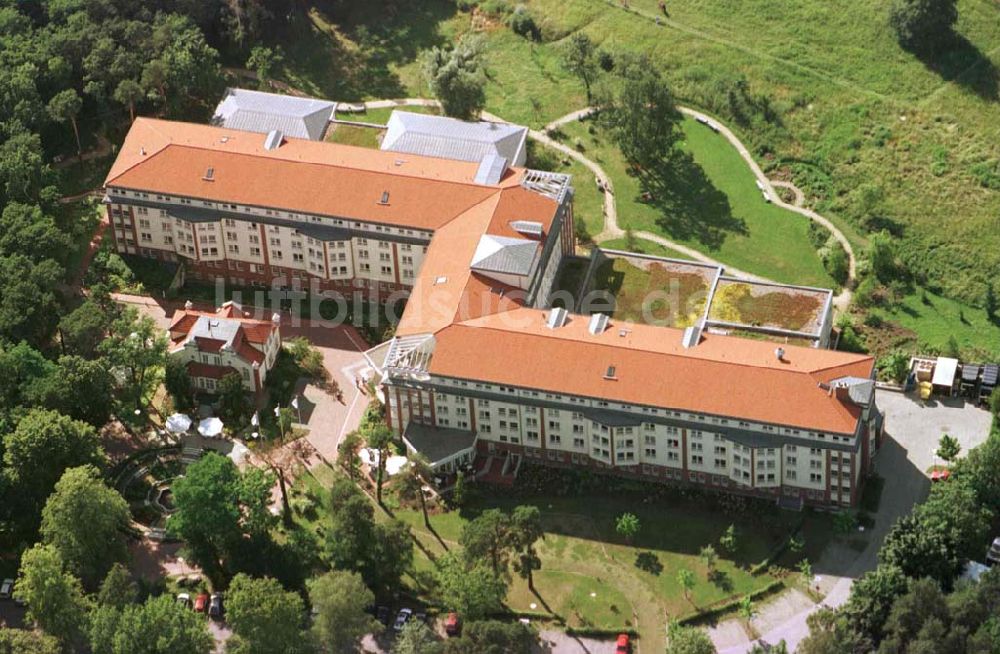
(364,137)
(713,205)
(380,116)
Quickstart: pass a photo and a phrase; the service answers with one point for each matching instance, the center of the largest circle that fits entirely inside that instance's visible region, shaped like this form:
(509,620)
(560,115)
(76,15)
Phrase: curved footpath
(611,228)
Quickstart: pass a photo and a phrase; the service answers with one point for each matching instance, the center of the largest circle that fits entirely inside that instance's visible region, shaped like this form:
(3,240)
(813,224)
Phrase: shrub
(523,24)
(894,366)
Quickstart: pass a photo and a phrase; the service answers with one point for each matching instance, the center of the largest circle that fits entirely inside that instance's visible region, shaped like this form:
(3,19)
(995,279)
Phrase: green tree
(339,599)
(525,532)
(922,602)
(579,58)
(178,384)
(728,541)
(158,626)
(923,26)
(995,402)
(882,257)
(416,638)
(29,308)
(86,522)
(56,602)
(688,640)
(347,452)
(129,92)
(918,551)
(686,580)
(456,77)
(867,608)
(217,506)
(380,552)
(829,633)
(27,229)
(627,525)
(233,404)
(265,618)
(21,641)
(65,107)
(409,482)
(134,347)
(44,445)
(493,637)
(379,438)
(474,591)
(955,511)
(458,492)
(746,610)
(709,557)
(78,388)
(487,538)
(118,589)
(643,118)
(263,61)
(948,448)
(805,569)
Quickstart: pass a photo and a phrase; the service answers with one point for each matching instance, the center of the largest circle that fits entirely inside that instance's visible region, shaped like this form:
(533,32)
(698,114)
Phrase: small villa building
(213,345)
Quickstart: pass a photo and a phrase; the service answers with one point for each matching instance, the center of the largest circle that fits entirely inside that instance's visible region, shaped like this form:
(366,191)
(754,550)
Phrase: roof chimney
(188,305)
(598,323)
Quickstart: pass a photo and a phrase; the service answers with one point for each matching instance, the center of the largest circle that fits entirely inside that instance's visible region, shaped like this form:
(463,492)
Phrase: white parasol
(178,423)
(210,427)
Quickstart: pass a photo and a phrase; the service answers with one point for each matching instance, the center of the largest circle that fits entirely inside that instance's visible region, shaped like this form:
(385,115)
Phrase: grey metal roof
(256,111)
(217,329)
(491,169)
(449,138)
(503,254)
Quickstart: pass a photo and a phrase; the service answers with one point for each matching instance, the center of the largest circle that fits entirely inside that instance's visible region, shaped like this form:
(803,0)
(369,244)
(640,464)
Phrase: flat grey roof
(256,111)
(438,443)
(449,138)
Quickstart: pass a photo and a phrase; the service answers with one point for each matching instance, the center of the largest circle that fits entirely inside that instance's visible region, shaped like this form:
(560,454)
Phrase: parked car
(402,618)
(215,606)
(184,599)
(201,602)
(452,625)
(382,615)
(6,589)
(623,645)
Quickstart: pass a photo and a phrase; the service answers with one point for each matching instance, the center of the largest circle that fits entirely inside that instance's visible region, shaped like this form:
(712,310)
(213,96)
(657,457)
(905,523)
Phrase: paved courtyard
(917,425)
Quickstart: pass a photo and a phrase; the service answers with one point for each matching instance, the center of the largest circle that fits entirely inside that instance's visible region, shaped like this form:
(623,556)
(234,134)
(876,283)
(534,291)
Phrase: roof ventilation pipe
(779,353)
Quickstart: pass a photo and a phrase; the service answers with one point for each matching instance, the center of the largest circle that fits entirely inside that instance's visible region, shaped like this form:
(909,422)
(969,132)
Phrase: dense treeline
(913,601)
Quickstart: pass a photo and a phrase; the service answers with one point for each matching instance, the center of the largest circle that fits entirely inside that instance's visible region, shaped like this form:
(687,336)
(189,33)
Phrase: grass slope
(713,205)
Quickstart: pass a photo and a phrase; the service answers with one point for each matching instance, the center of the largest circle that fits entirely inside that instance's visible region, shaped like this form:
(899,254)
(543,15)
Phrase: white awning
(944,372)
